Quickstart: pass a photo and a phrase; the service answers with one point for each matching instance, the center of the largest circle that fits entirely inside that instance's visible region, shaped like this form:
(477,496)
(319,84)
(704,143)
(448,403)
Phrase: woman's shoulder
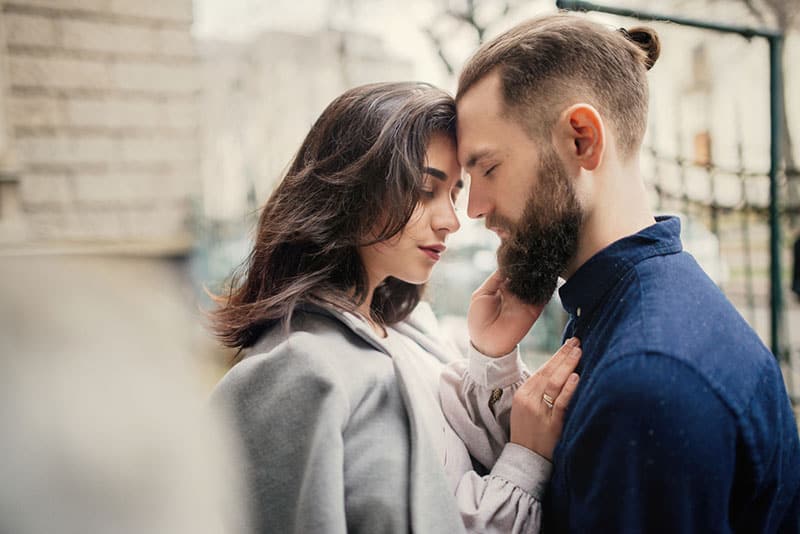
(319,347)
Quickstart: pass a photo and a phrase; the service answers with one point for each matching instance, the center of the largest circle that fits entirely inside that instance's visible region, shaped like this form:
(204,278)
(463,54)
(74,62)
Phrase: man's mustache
(497,222)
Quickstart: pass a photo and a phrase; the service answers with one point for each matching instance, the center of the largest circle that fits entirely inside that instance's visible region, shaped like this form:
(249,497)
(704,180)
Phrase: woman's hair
(550,62)
(355,181)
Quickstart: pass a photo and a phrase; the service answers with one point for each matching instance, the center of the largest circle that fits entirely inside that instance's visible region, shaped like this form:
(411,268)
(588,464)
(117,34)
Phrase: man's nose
(479,202)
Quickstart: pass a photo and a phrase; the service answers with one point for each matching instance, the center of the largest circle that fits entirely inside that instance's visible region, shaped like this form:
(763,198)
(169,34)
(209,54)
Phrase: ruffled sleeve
(508,499)
(476,396)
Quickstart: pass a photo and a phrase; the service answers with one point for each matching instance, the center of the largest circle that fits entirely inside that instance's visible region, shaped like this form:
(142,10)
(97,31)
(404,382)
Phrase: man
(681,422)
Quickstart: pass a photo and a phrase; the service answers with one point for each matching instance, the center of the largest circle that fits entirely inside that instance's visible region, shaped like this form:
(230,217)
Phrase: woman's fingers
(539,405)
(564,398)
(497,320)
(555,361)
(491,285)
(559,375)
(550,377)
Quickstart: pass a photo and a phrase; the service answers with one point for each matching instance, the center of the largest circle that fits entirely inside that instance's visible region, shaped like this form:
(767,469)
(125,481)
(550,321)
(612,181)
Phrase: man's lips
(501,233)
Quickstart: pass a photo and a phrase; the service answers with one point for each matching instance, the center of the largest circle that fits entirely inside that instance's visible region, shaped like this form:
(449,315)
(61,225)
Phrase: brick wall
(101,104)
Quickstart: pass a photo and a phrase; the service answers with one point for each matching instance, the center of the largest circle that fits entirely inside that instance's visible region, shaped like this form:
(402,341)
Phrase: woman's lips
(434,252)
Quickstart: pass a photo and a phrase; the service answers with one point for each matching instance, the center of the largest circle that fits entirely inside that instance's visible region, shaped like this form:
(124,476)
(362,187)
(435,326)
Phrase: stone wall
(101,110)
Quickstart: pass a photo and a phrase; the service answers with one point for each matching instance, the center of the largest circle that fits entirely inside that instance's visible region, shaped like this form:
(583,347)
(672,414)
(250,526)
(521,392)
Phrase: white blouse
(474,394)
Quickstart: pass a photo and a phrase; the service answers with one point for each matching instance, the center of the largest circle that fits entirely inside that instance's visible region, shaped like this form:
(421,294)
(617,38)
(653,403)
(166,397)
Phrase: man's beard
(545,240)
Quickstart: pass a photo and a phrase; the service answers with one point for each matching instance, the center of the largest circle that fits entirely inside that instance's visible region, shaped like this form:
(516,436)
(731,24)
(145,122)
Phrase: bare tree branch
(437,44)
(754,11)
(468,17)
(785,12)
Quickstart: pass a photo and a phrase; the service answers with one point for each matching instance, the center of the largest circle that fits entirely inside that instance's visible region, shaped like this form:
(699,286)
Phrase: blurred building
(106,426)
(260,98)
(100,132)
(99,152)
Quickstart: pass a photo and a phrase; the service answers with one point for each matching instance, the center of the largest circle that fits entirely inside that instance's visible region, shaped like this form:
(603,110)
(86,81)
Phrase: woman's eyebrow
(441,175)
(436,173)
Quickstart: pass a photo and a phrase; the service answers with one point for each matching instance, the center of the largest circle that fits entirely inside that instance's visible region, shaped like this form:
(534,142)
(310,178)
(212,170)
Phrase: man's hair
(548,63)
(355,181)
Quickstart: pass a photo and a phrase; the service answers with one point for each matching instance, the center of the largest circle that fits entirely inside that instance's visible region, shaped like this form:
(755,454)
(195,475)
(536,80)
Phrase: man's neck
(620,208)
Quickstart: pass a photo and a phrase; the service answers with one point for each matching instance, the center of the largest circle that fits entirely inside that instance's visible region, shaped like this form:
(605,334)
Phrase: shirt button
(496,394)
(579,312)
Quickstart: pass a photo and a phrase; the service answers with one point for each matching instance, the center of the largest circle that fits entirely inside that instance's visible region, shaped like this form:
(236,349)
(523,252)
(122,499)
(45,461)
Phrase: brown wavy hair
(550,62)
(355,181)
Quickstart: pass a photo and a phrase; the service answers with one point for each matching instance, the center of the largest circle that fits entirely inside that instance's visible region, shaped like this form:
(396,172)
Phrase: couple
(355,417)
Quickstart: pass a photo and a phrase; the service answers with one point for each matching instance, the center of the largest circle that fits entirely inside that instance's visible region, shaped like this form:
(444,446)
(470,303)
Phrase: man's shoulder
(683,315)
(636,379)
(674,389)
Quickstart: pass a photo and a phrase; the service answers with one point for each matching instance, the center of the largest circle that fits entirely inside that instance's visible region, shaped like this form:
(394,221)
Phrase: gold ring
(548,400)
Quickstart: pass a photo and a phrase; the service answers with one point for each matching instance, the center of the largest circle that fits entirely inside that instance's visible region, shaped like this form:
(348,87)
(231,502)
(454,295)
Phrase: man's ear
(581,133)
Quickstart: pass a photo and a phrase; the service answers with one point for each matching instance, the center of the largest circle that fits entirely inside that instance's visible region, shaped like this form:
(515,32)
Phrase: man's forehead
(481,101)
(479,113)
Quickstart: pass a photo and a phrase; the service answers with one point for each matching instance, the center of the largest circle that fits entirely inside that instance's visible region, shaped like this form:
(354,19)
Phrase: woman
(337,399)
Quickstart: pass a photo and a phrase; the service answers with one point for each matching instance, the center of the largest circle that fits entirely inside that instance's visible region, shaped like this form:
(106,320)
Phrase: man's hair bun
(646,39)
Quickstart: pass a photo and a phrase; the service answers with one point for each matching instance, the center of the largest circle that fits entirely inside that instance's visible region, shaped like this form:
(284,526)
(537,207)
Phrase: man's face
(523,190)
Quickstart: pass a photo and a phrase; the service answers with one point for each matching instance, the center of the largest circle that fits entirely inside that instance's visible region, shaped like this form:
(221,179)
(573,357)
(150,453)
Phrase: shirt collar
(585,289)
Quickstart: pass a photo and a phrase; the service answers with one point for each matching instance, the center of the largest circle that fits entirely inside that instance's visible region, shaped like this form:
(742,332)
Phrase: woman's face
(411,254)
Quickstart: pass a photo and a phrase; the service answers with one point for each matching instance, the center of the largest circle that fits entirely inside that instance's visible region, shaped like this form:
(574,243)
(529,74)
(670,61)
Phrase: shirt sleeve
(476,395)
(655,451)
(289,416)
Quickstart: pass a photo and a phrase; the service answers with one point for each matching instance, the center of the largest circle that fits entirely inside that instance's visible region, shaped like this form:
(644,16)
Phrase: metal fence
(726,202)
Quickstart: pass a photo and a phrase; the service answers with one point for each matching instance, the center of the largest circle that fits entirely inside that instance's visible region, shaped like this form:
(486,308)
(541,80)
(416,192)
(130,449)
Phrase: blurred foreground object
(104,425)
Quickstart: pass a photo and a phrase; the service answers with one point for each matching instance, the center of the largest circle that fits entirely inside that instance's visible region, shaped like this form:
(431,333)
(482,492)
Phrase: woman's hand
(539,405)
(497,320)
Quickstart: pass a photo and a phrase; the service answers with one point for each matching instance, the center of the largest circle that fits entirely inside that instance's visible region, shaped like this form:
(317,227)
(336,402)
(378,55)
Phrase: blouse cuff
(493,373)
(524,468)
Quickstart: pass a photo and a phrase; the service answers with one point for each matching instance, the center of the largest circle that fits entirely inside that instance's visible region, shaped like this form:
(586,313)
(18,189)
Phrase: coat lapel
(430,513)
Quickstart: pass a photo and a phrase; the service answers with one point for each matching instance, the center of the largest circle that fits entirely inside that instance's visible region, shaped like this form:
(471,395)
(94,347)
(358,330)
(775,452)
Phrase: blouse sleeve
(476,396)
(508,499)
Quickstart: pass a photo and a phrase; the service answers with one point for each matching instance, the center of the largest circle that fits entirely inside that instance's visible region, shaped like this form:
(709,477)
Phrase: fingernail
(575,352)
(572,341)
(573,378)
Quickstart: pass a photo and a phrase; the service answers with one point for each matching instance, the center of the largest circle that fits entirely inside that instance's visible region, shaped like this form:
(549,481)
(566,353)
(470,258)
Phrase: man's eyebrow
(436,173)
(473,158)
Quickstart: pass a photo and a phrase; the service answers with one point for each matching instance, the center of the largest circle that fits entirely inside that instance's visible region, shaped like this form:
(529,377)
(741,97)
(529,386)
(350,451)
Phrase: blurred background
(138,139)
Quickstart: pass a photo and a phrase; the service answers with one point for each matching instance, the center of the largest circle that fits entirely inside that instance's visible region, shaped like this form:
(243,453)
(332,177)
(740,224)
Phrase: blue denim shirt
(681,422)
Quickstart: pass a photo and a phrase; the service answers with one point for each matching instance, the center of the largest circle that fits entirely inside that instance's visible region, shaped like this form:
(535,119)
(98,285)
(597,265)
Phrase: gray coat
(333,435)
